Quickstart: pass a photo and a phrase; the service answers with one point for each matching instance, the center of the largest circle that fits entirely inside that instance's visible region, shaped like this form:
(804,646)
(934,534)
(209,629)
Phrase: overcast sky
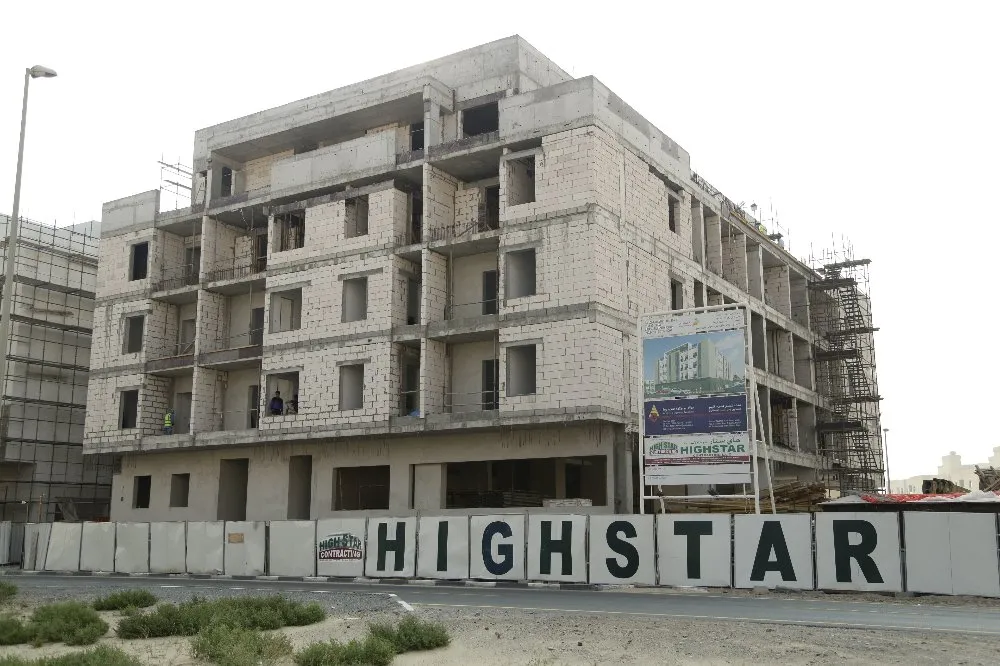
(872,121)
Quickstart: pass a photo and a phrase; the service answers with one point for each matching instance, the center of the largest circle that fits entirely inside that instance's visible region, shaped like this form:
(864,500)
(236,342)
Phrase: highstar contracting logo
(340,547)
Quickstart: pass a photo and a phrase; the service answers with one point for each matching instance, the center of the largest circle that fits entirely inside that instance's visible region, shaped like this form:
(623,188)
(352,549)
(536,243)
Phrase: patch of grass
(372,651)
(383,643)
(188,618)
(100,656)
(234,646)
(7,591)
(13,631)
(412,634)
(125,599)
(71,622)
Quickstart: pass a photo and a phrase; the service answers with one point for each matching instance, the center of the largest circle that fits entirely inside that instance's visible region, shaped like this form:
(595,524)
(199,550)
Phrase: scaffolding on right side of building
(850,432)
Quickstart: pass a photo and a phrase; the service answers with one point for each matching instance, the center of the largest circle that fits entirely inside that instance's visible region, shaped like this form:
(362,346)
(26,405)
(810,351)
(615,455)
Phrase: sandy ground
(493,636)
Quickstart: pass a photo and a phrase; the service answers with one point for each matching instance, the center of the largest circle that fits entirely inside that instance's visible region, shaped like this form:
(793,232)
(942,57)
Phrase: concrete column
(713,245)
(560,478)
(429,486)
(432,124)
(400,486)
(621,464)
(755,272)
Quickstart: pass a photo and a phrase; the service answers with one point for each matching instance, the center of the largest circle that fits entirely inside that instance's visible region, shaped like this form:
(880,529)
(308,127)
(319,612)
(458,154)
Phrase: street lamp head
(39,71)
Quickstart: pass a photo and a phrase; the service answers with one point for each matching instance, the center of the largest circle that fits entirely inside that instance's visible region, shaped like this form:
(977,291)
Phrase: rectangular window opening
(356,217)
(672,208)
(417,136)
(139,262)
(520,274)
(412,302)
(416,217)
(133,334)
(354,306)
(361,488)
(352,387)
(521,181)
(291,230)
(283,393)
(299,487)
(676,295)
(489,293)
(481,119)
(192,265)
(180,485)
(286,311)
(521,370)
(128,409)
(141,486)
(226,182)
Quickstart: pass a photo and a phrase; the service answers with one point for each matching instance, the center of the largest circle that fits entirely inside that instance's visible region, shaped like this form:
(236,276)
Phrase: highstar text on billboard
(695,425)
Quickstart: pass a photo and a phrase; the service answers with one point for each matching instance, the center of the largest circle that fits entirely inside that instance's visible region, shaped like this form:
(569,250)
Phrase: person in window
(293,405)
(277,405)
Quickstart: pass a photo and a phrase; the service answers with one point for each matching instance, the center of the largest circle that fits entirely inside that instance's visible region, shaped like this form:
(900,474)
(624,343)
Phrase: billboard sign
(695,426)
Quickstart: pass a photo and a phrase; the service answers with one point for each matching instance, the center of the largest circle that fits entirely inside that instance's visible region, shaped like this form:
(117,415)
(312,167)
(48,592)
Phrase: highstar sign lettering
(343,546)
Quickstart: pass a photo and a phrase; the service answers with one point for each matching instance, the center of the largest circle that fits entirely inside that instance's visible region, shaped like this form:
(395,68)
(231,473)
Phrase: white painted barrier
(443,547)
(64,547)
(36,545)
(340,547)
(622,550)
(244,548)
(206,547)
(557,548)
(167,547)
(941,553)
(392,548)
(496,547)
(292,548)
(6,528)
(951,553)
(858,551)
(694,549)
(773,551)
(132,548)
(97,547)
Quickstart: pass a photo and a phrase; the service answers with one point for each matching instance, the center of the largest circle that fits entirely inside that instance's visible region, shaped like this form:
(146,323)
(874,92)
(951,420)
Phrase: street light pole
(11,258)
(885,457)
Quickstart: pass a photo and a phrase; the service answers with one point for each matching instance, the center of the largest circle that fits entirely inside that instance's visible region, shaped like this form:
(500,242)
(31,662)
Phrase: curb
(360,580)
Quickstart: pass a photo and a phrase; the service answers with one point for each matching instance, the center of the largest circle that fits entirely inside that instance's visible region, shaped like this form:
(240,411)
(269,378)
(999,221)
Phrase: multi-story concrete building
(43,473)
(440,271)
(693,361)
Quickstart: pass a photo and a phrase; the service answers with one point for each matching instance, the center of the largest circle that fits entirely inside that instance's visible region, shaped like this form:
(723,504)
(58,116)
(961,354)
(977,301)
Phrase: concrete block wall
(713,243)
(115,257)
(170,256)
(434,281)
(218,244)
(108,334)
(319,368)
(565,175)
(207,399)
(402,271)
(212,321)
(154,399)
(257,173)
(563,264)
(734,259)
(433,375)
(161,330)
(777,289)
(101,426)
(467,200)
(439,200)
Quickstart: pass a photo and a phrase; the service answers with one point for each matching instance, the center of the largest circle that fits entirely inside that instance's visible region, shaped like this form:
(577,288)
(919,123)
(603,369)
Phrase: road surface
(844,613)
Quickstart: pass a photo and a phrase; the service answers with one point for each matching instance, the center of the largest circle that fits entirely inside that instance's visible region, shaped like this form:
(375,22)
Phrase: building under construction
(420,292)
(849,432)
(44,475)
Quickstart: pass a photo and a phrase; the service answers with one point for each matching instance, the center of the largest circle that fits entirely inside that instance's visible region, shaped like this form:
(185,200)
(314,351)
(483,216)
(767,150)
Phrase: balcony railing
(463,229)
(177,277)
(183,348)
(236,269)
(234,420)
(246,338)
(474,309)
(479,401)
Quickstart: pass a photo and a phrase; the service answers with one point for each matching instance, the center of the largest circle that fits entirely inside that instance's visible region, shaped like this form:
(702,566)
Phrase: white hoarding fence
(694,549)
(340,547)
(557,548)
(496,547)
(622,550)
(696,429)
(773,551)
(858,551)
(392,548)
(443,547)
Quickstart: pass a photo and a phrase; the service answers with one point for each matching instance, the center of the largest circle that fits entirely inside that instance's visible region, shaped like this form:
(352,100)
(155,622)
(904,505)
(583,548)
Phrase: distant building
(689,361)
(952,469)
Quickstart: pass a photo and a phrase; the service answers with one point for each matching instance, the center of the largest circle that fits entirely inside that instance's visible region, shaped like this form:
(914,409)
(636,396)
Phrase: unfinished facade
(44,475)
(439,271)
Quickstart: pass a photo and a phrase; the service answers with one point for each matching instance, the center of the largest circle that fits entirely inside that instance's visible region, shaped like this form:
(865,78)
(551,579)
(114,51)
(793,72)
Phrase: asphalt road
(891,614)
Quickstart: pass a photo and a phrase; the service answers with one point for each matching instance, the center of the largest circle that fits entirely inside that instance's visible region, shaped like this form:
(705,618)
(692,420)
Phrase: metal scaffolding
(43,472)
(849,432)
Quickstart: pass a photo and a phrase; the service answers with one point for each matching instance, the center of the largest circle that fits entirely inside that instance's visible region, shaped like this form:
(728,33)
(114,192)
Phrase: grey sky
(870,120)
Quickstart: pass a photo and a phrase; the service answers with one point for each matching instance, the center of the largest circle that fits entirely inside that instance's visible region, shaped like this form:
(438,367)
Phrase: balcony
(171,359)
(178,284)
(240,349)
(233,276)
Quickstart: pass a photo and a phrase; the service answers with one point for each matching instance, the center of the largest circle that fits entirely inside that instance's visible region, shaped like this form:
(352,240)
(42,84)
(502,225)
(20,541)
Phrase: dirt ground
(493,636)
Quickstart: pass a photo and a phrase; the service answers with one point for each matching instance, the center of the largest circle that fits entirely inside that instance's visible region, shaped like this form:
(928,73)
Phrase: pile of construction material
(789,497)
(941,487)
(989,478)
